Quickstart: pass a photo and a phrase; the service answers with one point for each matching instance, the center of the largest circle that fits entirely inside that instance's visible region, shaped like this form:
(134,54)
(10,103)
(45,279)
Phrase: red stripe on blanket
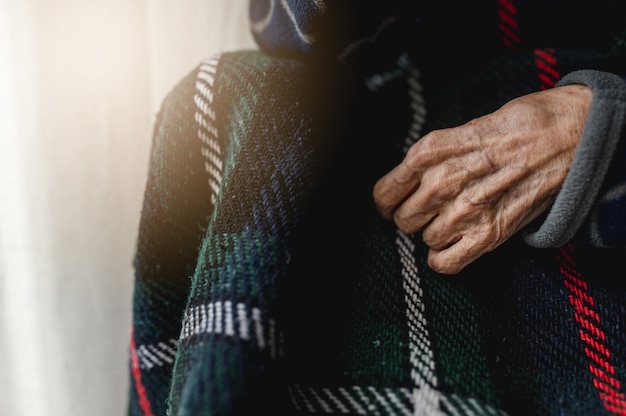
(591,334)
(144,403)
(508,25)
(546,63)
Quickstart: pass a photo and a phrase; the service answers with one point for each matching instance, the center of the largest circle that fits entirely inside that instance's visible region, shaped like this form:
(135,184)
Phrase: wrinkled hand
(470,188)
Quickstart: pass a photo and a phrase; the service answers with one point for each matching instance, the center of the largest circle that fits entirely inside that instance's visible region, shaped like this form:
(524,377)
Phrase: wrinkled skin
(470,188)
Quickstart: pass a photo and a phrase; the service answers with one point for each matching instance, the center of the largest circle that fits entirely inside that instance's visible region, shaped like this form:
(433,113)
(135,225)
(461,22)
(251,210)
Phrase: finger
(440,234)
(485,213)
(431,151)
(455,258)
(483,227)
(396,186)
(439,188)
(393,188)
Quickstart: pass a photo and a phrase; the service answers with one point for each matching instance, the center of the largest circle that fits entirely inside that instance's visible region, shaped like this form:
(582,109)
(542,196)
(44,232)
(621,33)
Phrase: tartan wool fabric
(266,283)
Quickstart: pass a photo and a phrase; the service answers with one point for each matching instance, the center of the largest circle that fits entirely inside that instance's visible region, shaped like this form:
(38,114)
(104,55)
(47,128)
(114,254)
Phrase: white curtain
(80,84)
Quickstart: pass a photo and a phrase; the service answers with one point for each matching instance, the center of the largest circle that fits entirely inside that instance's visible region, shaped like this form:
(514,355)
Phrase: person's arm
(470,188)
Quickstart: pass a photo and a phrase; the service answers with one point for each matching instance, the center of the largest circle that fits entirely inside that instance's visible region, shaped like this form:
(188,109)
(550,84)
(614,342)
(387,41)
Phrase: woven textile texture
(266,282)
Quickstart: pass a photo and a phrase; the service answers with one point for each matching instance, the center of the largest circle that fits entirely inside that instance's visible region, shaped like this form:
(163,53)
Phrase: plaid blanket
(266,282)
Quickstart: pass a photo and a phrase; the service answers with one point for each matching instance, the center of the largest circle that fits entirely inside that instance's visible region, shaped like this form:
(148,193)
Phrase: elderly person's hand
(469,188)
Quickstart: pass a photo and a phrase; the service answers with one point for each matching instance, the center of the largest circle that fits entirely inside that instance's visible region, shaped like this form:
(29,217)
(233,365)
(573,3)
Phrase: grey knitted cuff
(603,129)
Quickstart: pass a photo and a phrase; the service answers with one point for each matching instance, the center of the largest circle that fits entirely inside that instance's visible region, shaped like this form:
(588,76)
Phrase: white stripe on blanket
(205,118)
(233,320)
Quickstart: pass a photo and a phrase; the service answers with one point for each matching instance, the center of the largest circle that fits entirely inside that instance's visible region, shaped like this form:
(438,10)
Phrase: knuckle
(422,150)
(404,224)
(432,186)
(463,210)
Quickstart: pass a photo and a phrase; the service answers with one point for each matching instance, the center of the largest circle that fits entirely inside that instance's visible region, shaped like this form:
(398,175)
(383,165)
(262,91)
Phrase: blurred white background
(80,84)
